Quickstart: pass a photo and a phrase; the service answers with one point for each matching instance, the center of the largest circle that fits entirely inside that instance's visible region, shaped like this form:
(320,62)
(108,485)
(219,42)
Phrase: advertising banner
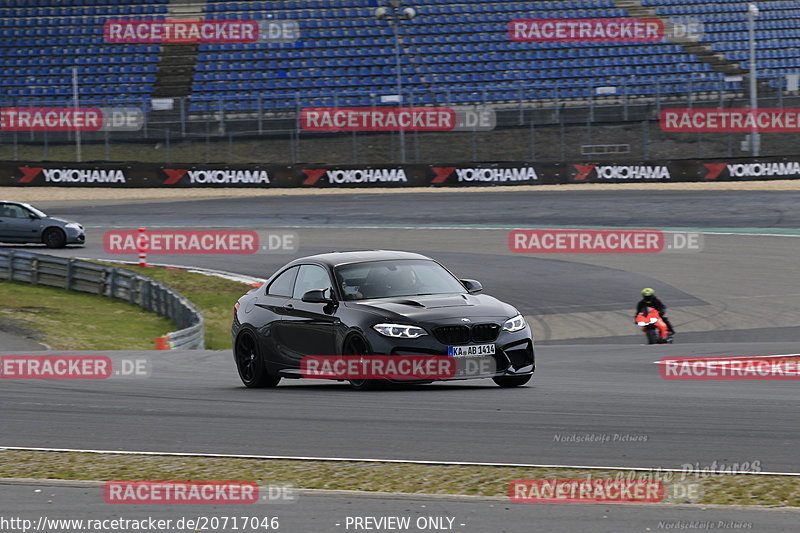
(445,174)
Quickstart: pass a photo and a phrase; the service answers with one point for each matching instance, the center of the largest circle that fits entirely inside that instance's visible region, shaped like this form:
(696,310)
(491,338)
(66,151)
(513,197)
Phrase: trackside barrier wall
(111,282)
(100,174)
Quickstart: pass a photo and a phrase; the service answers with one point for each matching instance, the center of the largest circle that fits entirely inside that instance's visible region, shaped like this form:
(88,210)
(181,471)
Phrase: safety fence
(111,282)
(573,121)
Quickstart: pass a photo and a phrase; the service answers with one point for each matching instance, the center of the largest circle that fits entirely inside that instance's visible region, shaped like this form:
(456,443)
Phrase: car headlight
(74,225)
(514,324)
(401,331)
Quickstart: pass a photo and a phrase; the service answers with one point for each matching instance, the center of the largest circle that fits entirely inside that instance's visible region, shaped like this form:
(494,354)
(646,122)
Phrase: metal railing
(111,282)
(529,126)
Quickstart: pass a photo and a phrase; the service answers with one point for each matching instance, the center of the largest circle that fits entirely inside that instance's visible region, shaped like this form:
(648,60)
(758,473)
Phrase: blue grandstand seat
(343,48)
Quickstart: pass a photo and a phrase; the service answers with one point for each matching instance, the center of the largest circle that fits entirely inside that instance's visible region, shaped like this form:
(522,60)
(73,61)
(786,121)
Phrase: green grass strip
(405,478)
(214,297)
(67,320)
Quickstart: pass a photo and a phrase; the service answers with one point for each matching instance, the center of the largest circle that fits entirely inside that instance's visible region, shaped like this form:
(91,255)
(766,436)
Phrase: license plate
(473,350)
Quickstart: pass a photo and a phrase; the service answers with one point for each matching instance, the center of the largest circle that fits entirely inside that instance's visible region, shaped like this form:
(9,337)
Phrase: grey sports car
(21,222)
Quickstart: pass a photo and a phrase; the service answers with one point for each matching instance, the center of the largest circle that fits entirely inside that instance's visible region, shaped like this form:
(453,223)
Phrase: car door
(16,223)
(309,328)
(269,312)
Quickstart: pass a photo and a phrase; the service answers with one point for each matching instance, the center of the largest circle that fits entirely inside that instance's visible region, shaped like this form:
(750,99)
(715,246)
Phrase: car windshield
(388,279)
(35,211)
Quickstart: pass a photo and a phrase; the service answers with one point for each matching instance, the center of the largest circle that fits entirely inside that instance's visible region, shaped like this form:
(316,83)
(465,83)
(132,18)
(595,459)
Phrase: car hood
(436,307)
(60,220)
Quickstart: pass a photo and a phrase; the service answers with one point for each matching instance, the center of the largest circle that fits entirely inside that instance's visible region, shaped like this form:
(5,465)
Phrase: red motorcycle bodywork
(650,316)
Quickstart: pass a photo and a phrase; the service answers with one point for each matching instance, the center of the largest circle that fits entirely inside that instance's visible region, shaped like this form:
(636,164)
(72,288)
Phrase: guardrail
(111,282)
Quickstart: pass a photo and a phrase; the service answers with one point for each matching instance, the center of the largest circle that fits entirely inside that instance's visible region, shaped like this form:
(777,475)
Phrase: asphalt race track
(738,296)
(194,402)
(328,513)
(740,287)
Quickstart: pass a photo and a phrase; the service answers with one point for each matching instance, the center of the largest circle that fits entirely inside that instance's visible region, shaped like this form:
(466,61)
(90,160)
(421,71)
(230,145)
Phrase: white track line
(712,358)
(394,461)
(441,227)
(445,227)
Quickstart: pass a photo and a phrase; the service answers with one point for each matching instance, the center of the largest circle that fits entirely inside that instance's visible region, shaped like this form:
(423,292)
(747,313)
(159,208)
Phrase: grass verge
(213,296)
(68,320)
(368,476)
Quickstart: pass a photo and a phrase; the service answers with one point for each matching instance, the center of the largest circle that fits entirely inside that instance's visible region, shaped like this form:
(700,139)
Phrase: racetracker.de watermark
(594,30)
(196,492)
(211,522)
(407,367)
(71,119)
(72,367)
(199,242)
(199,31)
(730,368)
(602,241)
(729,120)
(412,367)
(585,491)
(397,119)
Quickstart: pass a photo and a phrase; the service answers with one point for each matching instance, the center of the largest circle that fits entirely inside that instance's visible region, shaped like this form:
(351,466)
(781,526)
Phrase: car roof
(341,258)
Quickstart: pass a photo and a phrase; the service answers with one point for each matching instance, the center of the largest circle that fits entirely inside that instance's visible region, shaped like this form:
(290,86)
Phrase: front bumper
(75,236)
(514,352)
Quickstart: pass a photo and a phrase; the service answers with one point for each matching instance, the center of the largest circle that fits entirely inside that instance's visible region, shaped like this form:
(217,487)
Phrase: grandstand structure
(42,41)
(454,52)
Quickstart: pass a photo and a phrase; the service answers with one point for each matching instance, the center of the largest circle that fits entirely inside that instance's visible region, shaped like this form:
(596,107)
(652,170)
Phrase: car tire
(54,238)
(250,364)
(511,381)
(356,345)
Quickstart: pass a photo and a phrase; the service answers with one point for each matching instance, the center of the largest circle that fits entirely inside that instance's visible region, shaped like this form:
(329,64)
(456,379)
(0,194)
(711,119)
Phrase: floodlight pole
(755,137)
(393,15)
(78,156)
(395,23)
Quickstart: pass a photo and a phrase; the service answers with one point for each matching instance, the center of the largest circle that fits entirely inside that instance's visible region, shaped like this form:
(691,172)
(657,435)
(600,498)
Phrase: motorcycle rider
(649,299)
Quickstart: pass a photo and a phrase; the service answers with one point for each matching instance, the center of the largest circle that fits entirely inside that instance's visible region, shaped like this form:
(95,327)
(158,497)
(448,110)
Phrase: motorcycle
(653,326)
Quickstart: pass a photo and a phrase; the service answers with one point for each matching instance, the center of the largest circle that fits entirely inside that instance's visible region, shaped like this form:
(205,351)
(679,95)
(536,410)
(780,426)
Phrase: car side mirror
(33,217)
(317,296)
(472,285)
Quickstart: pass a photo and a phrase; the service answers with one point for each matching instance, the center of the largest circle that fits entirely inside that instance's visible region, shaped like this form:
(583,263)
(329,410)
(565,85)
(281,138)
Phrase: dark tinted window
(387,279)
(309,278)
(282,285)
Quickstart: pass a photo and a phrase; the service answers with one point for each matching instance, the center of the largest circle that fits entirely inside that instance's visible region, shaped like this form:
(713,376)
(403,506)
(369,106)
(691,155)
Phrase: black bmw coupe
(370,304)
